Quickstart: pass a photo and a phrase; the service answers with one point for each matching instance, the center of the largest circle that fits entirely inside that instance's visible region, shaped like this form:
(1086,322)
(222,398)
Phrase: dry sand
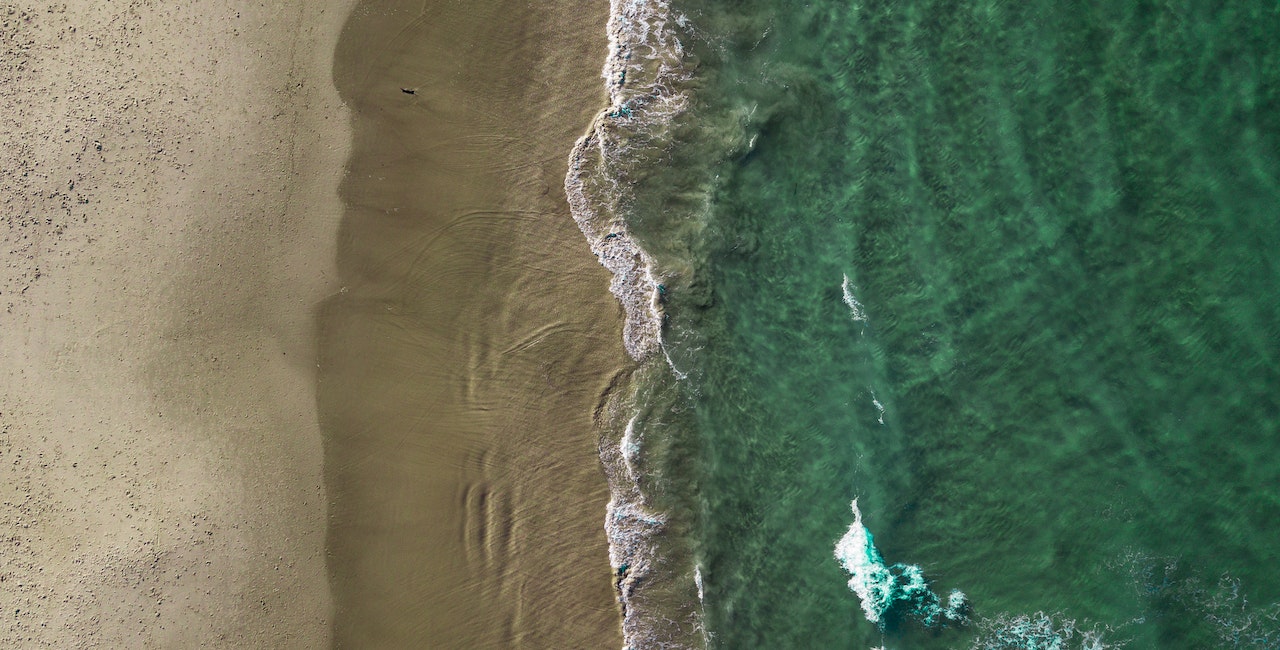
(474,334)
(168,176)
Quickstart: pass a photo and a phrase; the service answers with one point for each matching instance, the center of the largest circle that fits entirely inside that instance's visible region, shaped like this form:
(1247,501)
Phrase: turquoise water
(1055,384)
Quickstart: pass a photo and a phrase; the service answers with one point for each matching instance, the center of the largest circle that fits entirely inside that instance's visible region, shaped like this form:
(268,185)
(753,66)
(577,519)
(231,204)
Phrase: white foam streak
(879,407)
(630,446)
(856,310)
(680,376)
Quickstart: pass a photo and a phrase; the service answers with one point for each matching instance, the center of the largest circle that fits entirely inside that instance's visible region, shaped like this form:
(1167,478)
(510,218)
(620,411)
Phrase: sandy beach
(473,335)
(264,387)
(169,193)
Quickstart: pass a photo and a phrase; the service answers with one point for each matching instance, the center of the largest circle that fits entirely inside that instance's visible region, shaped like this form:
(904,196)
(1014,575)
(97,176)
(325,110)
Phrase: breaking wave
(892,592)
(644,74)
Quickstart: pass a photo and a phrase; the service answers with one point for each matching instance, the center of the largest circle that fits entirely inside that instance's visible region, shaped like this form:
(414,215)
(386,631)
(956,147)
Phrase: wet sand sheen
(473,335)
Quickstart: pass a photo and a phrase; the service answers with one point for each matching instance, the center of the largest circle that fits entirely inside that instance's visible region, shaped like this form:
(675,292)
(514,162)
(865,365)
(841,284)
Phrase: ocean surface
(1005,273)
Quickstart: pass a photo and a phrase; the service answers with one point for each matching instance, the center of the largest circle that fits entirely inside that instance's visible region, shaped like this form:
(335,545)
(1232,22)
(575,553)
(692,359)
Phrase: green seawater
(1062,223)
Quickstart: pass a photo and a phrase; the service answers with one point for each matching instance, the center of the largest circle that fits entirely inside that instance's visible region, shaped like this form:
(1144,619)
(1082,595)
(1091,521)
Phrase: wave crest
(890,592)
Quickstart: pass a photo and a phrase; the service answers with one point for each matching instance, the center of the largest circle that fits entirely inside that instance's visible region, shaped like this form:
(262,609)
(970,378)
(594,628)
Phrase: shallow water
(1004,272)
(463,356)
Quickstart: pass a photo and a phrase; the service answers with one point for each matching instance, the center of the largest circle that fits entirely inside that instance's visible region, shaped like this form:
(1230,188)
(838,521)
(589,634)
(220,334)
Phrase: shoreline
(169,228)
(470,342)
(657,578)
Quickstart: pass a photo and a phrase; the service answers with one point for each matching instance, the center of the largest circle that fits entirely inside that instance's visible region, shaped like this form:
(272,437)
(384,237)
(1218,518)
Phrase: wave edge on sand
(644,75)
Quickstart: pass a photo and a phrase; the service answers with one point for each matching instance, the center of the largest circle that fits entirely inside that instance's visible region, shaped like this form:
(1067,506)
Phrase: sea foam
(643,74)
(892,592)
(856,310)
(1038,631)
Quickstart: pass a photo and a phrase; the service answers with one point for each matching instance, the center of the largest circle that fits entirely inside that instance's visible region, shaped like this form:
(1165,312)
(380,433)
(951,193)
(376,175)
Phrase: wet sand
(168,177)
(472,335)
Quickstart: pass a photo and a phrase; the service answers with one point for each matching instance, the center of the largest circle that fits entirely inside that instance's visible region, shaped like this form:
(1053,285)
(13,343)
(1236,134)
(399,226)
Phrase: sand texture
(168,177)
(473,336)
